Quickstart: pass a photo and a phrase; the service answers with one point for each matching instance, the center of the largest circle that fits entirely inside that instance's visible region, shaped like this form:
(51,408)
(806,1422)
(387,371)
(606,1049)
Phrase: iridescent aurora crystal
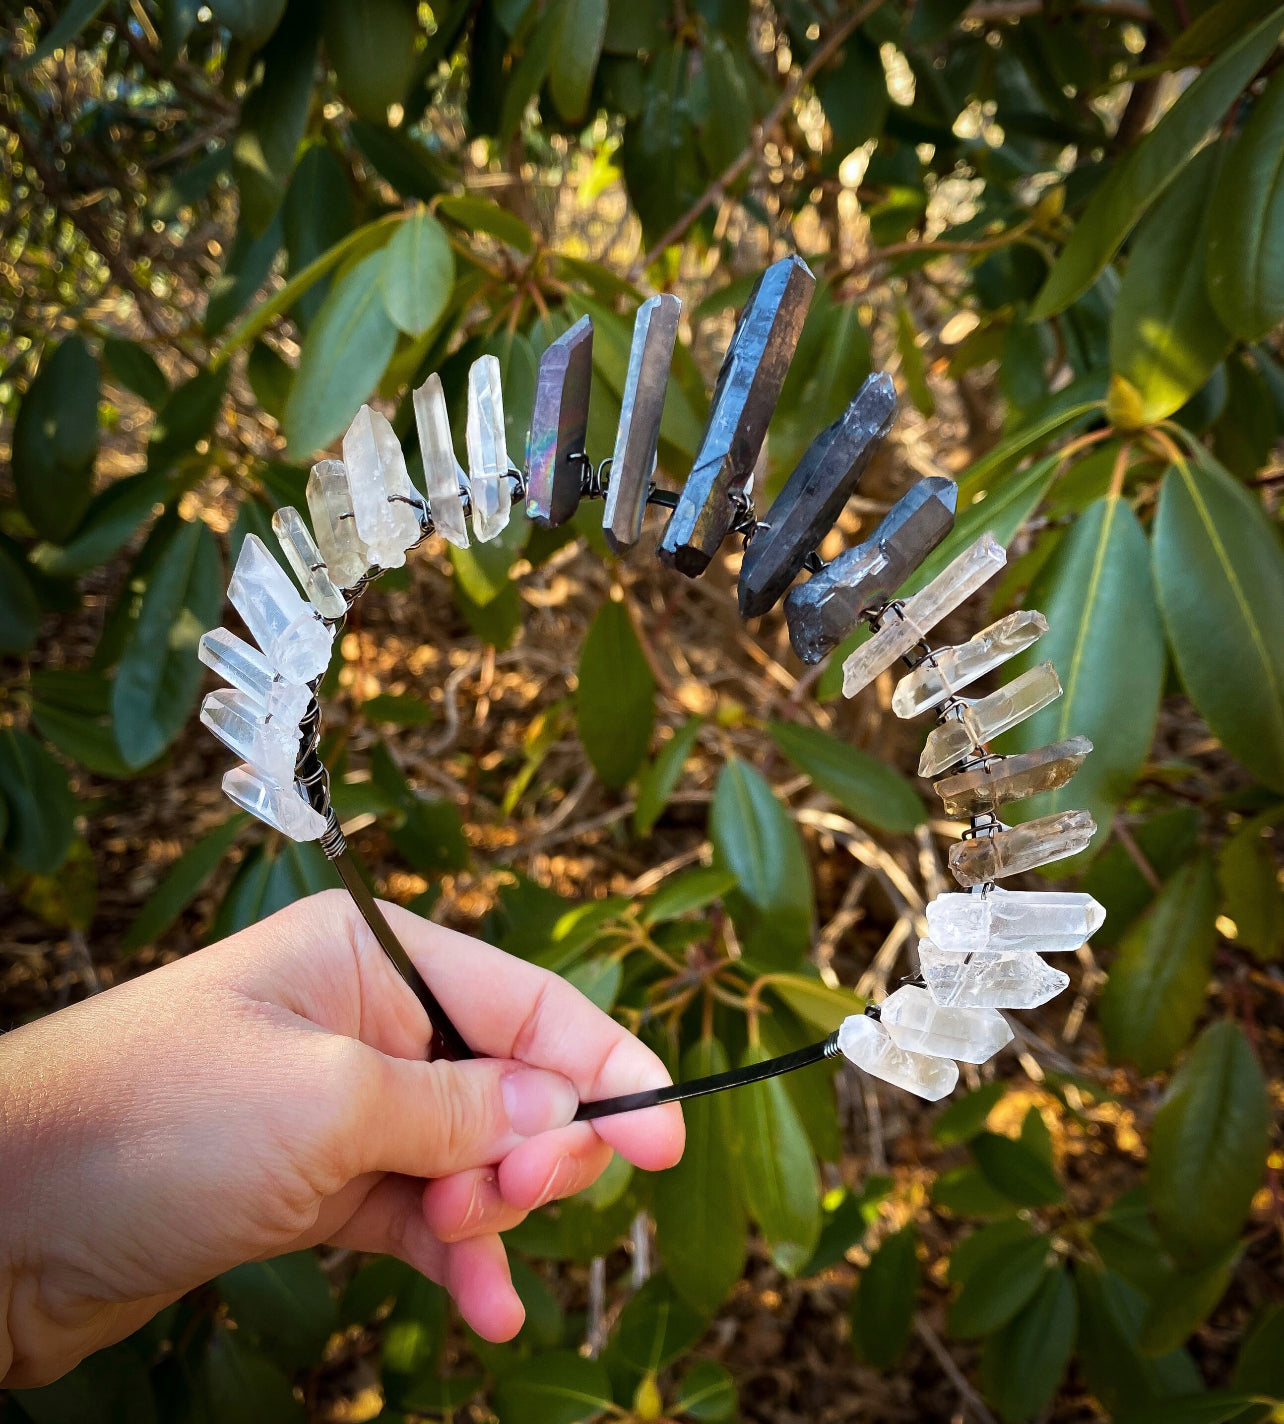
(902,627)
(749,383)
(988,979)
(303,556)
(385,504)
(822,611)
(246,669)
(1009,920)
(949,670)
(973,724)
(994,854)
(917,1023)
(290,632)
(870,1047)
(1000,779)
(488,467)
(330,505)
(280,806)
(637,438)
(253,735)
(814,495)
(444,479)
(555,447)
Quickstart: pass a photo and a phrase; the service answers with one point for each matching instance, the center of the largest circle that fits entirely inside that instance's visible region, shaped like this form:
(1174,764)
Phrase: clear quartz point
(918,1024)
(280,806)
(488,450)
(385,503)
(252,735)
(871,1048)
(444,478)
(290,632)
(330,505)
(949,670)
(904,626)
(1010,920)
(1000,779)
(991,856)
(242,665)
(303,556)
(979,722)
(988,979)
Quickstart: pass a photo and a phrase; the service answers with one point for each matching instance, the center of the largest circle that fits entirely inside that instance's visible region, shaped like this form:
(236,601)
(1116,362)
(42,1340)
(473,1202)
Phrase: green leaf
(913,363)
(186,418)
(814,1001)
(111,522)
(727,124)
(372,48)
(598,979)
(19,607)
(1022,1366)
(681,894)
(55,440)
(656,781)
(476,215)
(1208,1146)
(243,1387)
(182,883)
(286,1302)
(418,273)
(699,1217)
(1259,1367)
(250,20)
(1147,168)
(1166,840)
(965,1192)
(41,806)
(575,57)
(1219,573)
(965,1116)
(71,710)
(1106,642)
(655,1327)
(1159,980)
(707,1391)
(1250,885)
(1165,336)
(1210,1407)
(872,791)
(1183,1301)
(316,215)
(109,1387)
(999,1283)
(882,1308)
(1246,243)
(159,675)
(135,368)
(346,349)
(755,838)
(615,703)
(777,1171)
(1012,1168)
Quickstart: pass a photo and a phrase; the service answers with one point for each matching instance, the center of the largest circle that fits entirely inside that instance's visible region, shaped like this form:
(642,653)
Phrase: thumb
(433,1119)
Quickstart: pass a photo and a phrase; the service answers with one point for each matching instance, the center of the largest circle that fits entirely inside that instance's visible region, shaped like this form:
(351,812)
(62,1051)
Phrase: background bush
(1062,226)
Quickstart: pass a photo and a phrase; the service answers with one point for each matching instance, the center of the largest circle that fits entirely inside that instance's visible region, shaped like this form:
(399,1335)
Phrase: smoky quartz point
(986,857)
(748,388)
(1001,779)
(555,448)
(822,611)
(979,722)
(814,495)
(637,437)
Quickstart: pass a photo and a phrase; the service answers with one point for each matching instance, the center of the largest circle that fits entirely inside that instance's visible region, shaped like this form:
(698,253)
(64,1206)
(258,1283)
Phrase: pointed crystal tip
(988,979)
(919,1024)
(277,805)
(867,1044)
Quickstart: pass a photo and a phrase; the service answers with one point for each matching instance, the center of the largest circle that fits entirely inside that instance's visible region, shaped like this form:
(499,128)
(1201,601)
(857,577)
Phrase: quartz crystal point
(905,626)
(748,388)
(270,746)
(1047,921)
(814,495)
(871,1048)
(918,1024)
(246,668)
(949,670)
(555,448)
(991,856)
(303,556)
(977,723)
(988,979)
(289,631)
(444,479)
(488,465)
(280,806)
(822,611)
(638,436)
(384,502)
(330,505)
(1001,779)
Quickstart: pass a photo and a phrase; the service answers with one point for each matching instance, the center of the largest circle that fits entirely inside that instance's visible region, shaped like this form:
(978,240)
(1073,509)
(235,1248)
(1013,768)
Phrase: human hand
(270,1093)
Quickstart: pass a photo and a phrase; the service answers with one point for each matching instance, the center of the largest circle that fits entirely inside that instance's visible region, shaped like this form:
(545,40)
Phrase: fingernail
(537,1101)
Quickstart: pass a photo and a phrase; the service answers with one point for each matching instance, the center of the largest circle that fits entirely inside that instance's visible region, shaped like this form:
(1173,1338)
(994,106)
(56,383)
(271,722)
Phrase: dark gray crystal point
(822,611)
(641,408)
(558,422)
(753,371)
(814,495)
